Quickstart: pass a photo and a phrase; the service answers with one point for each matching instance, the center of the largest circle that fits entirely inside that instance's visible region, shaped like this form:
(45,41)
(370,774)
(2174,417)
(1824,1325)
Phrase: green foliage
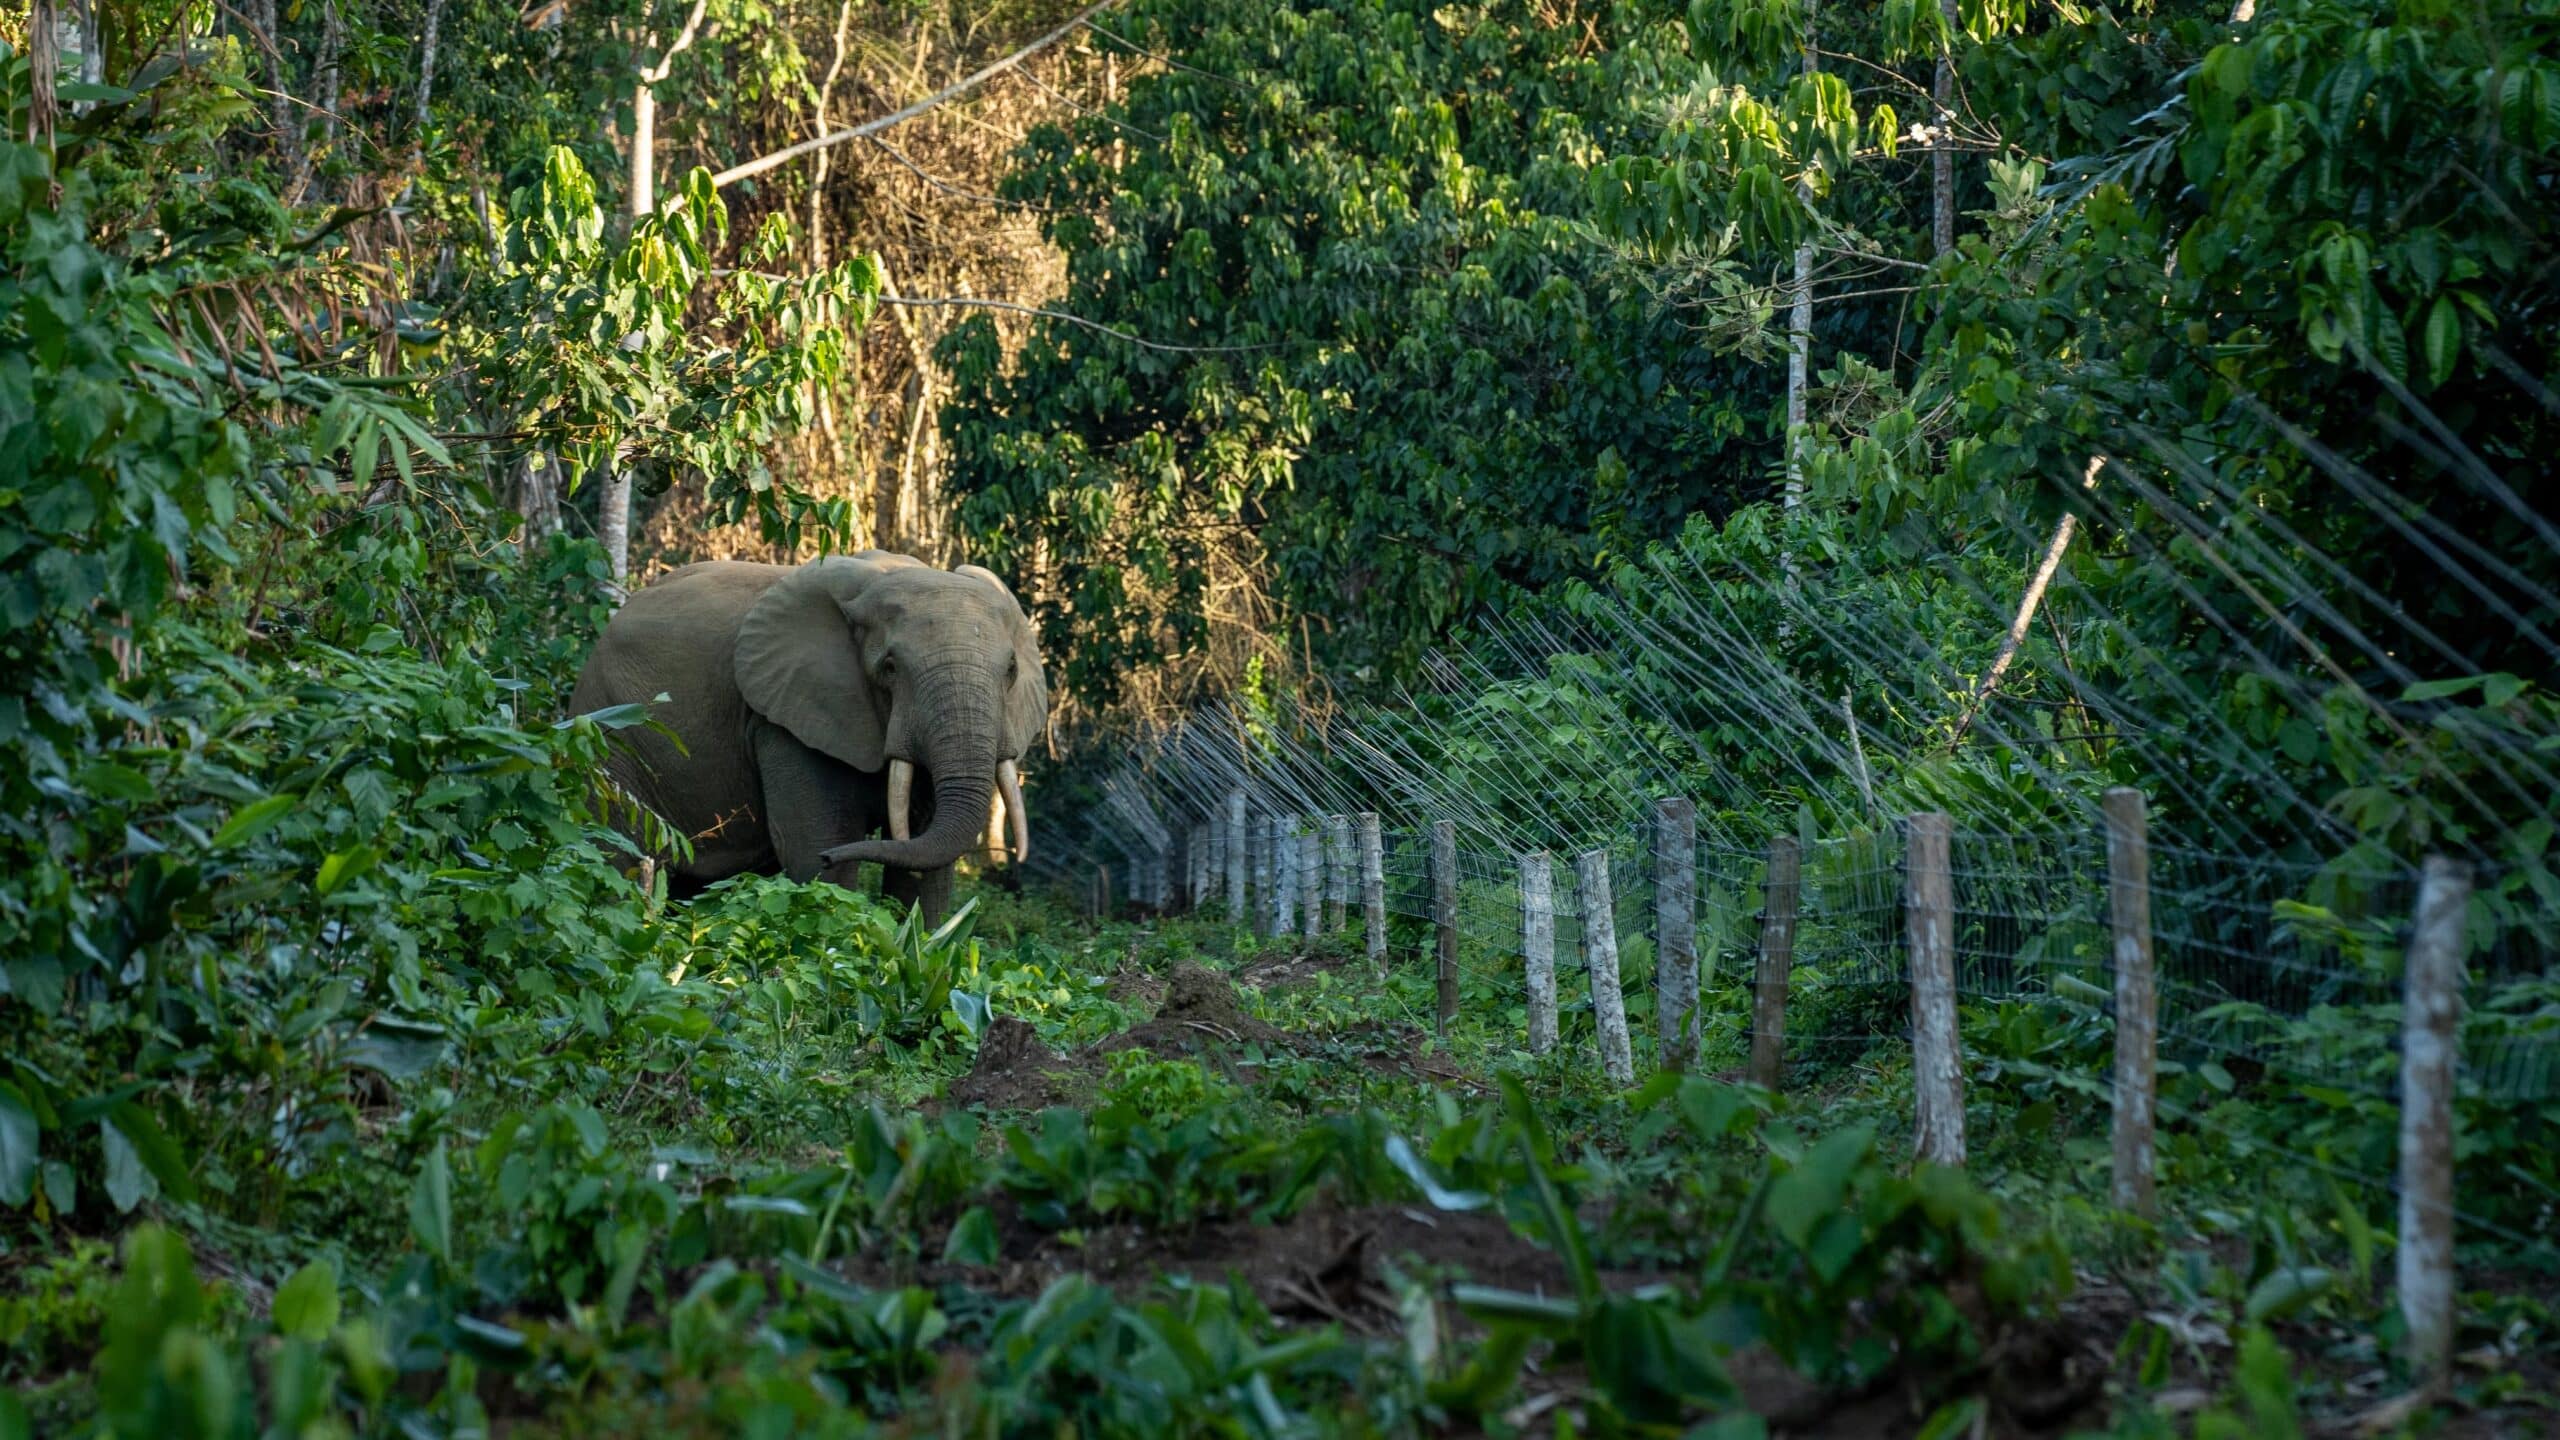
(1418,387)
(628,351)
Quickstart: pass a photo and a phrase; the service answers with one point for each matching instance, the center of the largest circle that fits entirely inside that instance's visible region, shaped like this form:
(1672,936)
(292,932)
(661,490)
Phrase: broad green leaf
(1801,1199)
(2443,339)
(343,867)
(151,1148)
(252,820)
(128,1182)
(306,1305)
(110,781)
(431,1205)
(973,1239)
(2285,1291)
(400,1049)
(19,1147)
(1401,1154)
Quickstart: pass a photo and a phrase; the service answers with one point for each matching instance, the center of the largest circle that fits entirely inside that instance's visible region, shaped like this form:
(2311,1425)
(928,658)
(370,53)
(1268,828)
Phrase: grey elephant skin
(856,708)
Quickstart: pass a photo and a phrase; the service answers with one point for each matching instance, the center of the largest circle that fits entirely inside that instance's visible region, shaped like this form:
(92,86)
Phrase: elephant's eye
(888,668)
(1012,669)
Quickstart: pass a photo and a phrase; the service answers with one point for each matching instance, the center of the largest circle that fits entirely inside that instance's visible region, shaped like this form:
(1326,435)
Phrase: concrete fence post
(1538,946)
(1310,876)
(1232,846)
(1337,870)
(1373,889)
(1283,845)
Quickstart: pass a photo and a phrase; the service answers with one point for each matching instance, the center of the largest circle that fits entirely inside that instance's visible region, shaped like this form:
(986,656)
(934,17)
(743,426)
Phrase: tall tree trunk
(1942,160)
(817,127)
(44,69)
(324,83)
(1800,318)
(613,501)
(280,111)
(427,70)
(537,497)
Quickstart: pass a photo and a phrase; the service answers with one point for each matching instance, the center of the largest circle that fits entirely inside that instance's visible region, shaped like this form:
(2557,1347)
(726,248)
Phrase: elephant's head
(881,660)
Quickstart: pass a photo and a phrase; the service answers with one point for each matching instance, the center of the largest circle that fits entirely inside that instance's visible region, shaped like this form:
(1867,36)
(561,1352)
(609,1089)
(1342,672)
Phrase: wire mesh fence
(2270,974)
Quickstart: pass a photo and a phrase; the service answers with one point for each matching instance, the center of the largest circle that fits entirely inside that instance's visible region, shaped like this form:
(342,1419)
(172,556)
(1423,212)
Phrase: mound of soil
(1291,963)
(1326,1262)
(1014,1071)
(1200,1014)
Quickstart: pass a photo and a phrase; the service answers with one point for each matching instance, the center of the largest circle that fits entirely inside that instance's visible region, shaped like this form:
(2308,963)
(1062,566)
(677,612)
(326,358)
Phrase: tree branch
(790,153)
(653,74)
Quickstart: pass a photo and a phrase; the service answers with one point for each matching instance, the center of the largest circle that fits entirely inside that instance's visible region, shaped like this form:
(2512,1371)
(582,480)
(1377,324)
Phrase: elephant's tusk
(902,784)
(1009,781)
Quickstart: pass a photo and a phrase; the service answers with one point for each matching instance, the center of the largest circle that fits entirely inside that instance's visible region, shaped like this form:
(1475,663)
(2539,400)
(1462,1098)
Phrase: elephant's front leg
(812,803)
(928,890)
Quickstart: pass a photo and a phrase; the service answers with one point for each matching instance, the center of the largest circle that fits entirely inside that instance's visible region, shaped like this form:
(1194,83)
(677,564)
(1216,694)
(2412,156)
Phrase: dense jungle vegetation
(357,357)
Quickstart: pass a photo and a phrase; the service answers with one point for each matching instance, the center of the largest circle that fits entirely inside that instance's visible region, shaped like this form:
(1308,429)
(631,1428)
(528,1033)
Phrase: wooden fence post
(1675,930)
(1337,870)
(1937,1068)
(1538,946)
(2430,1038)
(1779,896)
(1373,889)
(2137,997)
(1444,916)
(1311,876)
(1600,954)
(1235,847)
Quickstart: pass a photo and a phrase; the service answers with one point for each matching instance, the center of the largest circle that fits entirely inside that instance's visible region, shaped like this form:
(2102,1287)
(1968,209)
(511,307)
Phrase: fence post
(1373,889)
(1538,946)
(1258,834)
(1337,870)
(2430,1034)
(1675,928)
(1444,916)
(2137,997)
(1204,860)
(1283,845)
(1937,1070)
(1310,876)
(1779,893)
(1235,847)
(1600,954)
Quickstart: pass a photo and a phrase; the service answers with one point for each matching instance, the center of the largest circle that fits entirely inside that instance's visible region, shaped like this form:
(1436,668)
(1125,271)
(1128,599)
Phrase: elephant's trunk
(962,758)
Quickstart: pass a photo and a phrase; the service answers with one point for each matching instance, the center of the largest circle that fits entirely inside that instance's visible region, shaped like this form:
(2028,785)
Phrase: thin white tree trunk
(1800,323)
(427,66)
(2028,602)
(613,501)
(1942,160)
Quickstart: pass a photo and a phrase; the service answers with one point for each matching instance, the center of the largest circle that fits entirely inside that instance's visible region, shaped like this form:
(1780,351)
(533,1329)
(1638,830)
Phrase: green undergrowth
(712,1186)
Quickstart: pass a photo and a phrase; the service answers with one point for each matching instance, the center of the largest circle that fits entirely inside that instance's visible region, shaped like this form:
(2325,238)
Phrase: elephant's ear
(1026,706)
(799,665)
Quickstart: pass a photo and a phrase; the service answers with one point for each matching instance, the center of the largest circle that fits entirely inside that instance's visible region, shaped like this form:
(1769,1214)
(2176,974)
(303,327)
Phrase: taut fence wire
(2224,816)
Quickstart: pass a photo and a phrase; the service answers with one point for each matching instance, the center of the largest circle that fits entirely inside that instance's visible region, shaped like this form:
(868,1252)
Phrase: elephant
(809,700)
